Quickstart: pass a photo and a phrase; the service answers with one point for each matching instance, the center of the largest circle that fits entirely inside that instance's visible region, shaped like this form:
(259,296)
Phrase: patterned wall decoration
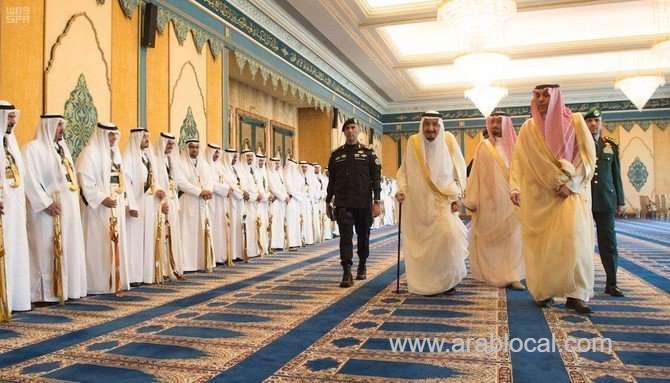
(128,6)
(188,83)
(81,117)
(77,44)
(189,128)
(637,174)
(255,31)
(182,27)
(628,125)
(637,155)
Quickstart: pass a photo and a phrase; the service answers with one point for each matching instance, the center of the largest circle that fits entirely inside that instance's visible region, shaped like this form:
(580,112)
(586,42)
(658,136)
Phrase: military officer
(607,198)
(354,192)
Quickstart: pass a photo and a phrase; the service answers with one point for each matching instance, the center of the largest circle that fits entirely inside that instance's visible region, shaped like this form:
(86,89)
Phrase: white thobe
(433,239)
(307,217)
(327,226)
(296,190)
(193,178)
(248,184)
(495,234)
(142,229)
(173,251)
(94,177)
(41,189)
(278,226)
(236,210)
(17,258)
(220,230)
(262,209)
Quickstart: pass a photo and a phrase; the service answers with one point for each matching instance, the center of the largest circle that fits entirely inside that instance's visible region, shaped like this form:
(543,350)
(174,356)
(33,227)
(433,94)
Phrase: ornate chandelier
(486,98)
(477,22)
(639,89)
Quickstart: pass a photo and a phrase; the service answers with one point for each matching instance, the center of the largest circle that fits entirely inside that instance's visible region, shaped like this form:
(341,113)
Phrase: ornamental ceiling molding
(183,26)
(605,106)
(260,16)
(267,39)
(277,80)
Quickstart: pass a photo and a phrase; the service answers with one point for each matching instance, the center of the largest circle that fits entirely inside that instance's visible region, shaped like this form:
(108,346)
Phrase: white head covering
(12,145)
(216,167)
(52,175)
(132,156)
(161,162)
(228,167)
(133,149)
(194,171)
(292,173)
(97,157)
(438,158)
(210,151)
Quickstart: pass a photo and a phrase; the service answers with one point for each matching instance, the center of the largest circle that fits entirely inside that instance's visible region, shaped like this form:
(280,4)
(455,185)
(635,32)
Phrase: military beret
(592,113)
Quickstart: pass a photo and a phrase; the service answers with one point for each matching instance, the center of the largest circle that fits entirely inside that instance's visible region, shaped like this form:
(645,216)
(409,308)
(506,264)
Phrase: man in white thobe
(237,196)
(220,230)
(387,198)
(249,185)
(17,258)
(495,234)
(195,209)
(148,195)
(335,229)
(315,191)
(167,164)
(326,228)
(106,202)
(306,205)
(53,195)
(295,187)
(263,206)
(279,198)
(430,182)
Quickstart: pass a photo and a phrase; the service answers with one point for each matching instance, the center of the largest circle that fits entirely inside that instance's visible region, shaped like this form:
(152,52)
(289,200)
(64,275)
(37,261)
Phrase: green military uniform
(607,196)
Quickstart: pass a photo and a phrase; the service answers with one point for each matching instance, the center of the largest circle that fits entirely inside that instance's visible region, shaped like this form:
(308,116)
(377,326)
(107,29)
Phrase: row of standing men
(146,215)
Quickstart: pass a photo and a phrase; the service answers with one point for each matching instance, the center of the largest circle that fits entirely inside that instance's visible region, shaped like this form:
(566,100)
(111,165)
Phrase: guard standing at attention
(607,198)
(353,198)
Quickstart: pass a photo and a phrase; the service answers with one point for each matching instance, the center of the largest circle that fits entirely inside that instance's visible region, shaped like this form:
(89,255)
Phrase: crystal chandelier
(486,98)
(478,23)
(481,69)
(639,89)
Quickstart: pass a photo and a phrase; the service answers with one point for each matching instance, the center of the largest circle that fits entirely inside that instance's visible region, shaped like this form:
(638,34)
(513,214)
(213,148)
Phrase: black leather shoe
(361,273)
(347,278)
(578,305)
(614,291)
(545,302)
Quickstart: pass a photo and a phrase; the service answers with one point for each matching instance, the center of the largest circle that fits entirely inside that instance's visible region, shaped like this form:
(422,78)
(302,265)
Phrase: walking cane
(397,281)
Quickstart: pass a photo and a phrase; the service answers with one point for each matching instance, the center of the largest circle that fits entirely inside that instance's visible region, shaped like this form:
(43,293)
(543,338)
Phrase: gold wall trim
(63,34)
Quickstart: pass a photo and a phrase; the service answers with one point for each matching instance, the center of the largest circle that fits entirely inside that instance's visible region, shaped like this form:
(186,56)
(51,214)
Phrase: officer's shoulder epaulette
(611,142)
(366,147)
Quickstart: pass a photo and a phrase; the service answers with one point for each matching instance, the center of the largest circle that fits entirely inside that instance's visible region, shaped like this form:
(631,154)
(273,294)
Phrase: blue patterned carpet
(282,318)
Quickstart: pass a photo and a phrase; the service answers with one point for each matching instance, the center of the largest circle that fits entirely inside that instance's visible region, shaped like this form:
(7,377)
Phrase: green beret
(592,113)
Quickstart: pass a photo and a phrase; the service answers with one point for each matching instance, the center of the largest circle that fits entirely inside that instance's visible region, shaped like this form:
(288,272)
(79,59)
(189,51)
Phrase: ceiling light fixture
(486,98)
(639,89)
(481,69)
(478,22)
